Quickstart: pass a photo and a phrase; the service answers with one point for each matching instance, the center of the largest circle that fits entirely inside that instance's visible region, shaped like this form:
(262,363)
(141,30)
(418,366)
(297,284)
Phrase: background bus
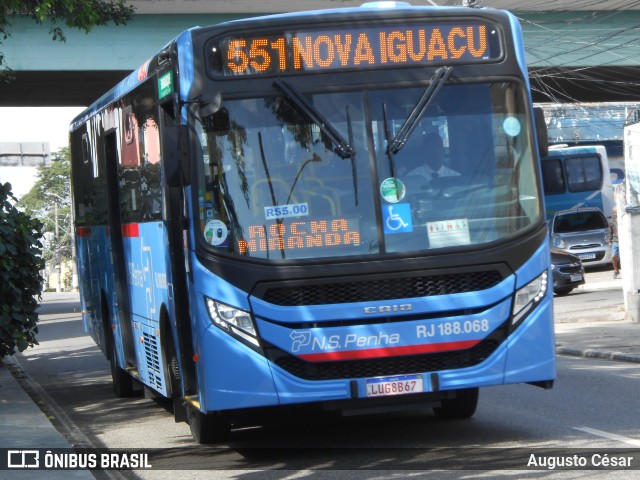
(257,227)
(577,177)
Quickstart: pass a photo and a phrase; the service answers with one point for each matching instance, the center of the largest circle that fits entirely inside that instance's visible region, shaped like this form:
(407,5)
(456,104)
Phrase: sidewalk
(609,340)
(24,424)
(30,428)
(605,333)
(25,427)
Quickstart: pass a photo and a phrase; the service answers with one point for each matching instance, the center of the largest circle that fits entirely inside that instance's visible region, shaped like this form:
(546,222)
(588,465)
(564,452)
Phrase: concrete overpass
(577,50)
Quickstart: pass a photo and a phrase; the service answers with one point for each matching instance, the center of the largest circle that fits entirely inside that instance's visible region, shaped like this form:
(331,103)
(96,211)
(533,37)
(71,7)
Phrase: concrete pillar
(628,230)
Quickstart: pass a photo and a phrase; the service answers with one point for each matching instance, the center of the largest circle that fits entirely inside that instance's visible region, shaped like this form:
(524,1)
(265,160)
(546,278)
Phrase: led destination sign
(300,235)
(357,48)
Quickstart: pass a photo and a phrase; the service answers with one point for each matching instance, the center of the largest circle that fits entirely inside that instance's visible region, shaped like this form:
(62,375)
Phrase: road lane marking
(610,436)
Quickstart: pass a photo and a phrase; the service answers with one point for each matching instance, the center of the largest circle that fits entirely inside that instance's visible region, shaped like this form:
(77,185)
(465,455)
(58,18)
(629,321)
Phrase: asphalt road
(593,405)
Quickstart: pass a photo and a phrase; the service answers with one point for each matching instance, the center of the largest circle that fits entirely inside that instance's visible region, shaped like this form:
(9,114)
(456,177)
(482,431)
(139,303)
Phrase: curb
(616,356)
(61,422)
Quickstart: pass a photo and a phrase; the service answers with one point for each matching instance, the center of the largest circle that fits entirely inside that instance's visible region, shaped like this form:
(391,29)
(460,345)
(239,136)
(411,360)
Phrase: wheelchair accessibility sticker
(397,218)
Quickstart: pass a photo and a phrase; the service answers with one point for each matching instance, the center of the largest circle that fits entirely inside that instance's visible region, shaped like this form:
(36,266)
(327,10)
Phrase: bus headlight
(232,320)
(528,297)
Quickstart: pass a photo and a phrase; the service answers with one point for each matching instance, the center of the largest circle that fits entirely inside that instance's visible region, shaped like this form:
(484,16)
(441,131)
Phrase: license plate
(576,278)
(587,256)
(400,385)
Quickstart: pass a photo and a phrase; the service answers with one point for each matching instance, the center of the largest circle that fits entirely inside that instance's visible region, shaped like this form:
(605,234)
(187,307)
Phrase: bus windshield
(274,184)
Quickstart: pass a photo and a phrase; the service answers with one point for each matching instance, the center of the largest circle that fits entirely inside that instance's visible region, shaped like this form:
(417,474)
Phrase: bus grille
(153,360)
(384,366)
(382,289)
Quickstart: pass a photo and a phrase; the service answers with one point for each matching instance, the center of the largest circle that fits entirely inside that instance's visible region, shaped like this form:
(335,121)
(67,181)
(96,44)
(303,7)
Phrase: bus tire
(123,385)
(174,370)
(122,382)
(463,406)
(175,382)
(207,428)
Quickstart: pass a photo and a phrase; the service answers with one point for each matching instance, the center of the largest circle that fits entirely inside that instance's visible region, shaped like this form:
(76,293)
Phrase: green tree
(20,279)
(81,14)
(49,200)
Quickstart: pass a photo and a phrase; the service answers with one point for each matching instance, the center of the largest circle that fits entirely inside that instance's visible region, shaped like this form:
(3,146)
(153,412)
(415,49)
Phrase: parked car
(568,271)
(583,232)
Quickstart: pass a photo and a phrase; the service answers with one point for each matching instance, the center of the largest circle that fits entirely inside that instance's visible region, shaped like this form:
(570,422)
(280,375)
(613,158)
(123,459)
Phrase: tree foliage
(49,200)
(81,14)
(20,279)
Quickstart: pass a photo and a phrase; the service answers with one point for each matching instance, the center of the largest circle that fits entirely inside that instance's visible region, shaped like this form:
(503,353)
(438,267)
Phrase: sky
(33,124)
(37,124)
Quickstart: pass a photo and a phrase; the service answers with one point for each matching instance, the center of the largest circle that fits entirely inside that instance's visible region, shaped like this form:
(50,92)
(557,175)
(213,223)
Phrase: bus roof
(562,151)
(382,7)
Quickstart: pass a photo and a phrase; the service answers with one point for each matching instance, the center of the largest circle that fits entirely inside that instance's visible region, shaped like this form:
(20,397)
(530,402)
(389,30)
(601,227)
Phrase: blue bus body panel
(534,266)
(145,250)
(207,284)
(94,267)
(237,376)
(230,374)
(96,275)
(185,60)
(529,359)
(146,264)
(384,339)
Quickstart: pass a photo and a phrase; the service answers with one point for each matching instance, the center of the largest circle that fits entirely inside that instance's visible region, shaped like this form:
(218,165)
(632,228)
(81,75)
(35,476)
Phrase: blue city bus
(577,176)
(256,226)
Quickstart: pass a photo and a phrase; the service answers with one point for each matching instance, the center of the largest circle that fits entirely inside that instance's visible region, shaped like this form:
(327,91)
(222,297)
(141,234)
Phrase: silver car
(583,232)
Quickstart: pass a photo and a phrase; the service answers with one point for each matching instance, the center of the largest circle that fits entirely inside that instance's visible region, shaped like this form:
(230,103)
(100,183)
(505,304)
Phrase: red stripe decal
(83,231)
(388,351)
(130,230)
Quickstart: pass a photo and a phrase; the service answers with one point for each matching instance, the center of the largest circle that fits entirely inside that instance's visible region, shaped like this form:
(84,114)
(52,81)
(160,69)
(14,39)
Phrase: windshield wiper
(343,148)
(392,162)
(409,125)
(354,172)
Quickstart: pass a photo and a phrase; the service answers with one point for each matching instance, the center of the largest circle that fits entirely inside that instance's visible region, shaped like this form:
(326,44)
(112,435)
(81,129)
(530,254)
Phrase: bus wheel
(123,385)
(463,406)
(173,369)
(207,428)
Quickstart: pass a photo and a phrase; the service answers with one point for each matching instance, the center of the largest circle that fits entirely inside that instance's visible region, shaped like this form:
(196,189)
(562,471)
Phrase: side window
(150,186)
(88,176)
(139,169)
(552,177)
(81,177)
(86,148)
(584,173)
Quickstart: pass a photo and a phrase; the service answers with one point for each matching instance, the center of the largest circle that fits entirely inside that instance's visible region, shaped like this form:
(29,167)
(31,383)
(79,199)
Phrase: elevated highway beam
(579,55)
